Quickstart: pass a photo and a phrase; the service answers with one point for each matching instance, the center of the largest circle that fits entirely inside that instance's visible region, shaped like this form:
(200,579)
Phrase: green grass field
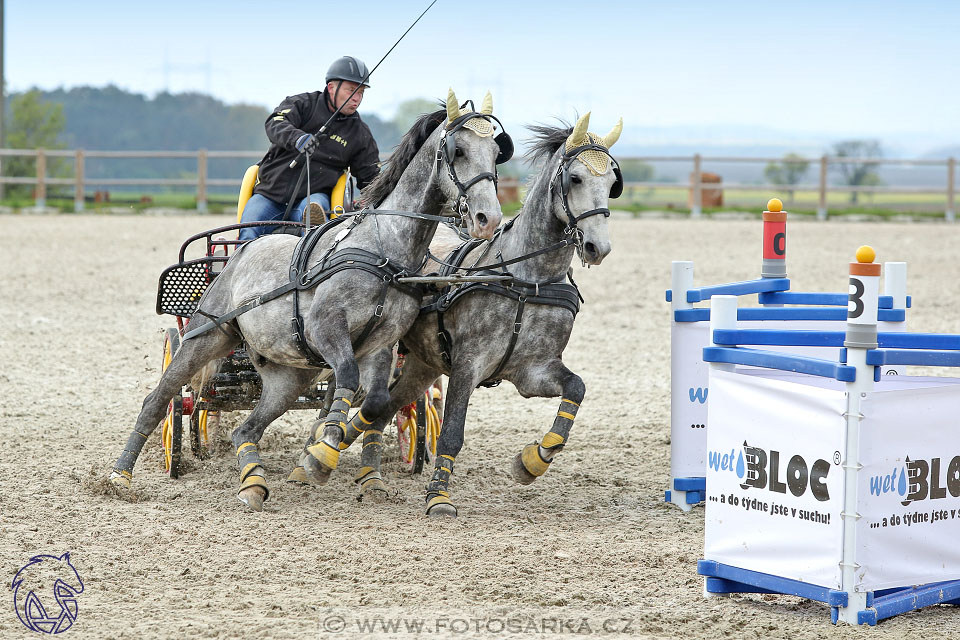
(667,198)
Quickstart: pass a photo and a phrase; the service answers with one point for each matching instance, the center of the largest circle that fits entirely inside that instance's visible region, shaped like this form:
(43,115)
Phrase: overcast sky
(837,67)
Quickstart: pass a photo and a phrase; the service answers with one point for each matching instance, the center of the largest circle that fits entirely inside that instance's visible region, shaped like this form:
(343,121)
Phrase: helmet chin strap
(332,105)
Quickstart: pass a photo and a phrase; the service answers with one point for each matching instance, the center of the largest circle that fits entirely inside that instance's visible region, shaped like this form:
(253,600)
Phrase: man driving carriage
(347,142)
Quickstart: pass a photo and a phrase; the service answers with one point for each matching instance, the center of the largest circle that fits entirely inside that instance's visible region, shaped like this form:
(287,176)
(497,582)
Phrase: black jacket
(347,142)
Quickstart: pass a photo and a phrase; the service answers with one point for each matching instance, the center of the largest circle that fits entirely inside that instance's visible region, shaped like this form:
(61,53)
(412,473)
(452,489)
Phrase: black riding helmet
(350,69)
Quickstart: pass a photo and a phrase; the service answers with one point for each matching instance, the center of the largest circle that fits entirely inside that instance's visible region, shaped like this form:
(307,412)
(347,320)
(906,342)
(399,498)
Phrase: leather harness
(557,294)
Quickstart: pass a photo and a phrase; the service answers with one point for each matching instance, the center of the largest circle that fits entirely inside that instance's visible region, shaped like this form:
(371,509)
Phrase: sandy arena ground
(591,543)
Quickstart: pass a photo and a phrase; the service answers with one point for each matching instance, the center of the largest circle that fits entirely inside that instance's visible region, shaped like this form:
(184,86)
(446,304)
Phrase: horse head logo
(54,580)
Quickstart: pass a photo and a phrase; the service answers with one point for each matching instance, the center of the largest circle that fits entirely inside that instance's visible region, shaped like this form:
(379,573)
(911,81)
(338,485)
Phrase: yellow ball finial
(866,254)
(774,205)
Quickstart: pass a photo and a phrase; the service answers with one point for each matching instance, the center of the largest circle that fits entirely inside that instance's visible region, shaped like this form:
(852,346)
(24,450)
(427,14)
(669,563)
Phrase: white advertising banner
(774,479)
(908,493)
(688,398)
(689,389)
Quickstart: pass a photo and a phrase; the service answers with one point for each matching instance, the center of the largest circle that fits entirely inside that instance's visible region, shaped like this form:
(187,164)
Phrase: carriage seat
(341,197)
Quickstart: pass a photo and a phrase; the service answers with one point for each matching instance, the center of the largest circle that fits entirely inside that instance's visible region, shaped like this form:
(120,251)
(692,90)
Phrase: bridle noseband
(446,153)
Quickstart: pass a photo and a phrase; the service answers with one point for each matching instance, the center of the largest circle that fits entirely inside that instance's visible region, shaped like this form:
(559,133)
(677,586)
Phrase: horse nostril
(590,249)
(482,219)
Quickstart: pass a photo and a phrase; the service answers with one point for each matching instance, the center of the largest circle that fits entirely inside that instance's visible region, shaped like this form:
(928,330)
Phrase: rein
(332,262)
(559,294)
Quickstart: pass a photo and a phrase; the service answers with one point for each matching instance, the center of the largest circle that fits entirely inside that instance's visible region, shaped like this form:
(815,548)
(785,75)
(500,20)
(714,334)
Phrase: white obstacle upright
(825,479)
(781,309)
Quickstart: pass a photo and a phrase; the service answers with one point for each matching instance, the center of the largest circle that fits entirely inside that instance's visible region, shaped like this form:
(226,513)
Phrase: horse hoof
(252,497)
(298,476)
(442,510)
(519,471)
(374,491)
(441,507)
(119,480)
(316,472)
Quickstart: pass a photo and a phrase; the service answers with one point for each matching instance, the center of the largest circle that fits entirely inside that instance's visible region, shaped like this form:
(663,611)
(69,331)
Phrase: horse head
(469,150)
(587,176)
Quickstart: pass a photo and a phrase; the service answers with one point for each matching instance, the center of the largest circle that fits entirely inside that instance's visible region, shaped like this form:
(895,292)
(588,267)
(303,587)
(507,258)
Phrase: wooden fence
(201,182)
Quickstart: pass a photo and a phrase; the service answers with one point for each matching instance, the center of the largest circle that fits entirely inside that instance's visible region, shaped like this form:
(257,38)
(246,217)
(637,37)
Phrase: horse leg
(375,375)
(192,355)
(374,372)
(459,390)
(298,475)
(414,379)
(327,436)
(281,387)
(535,459)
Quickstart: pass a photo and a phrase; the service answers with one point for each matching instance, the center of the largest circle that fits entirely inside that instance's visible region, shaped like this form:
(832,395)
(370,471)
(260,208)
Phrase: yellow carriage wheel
(407,432)
(202,422)
(171,433)
(434,403)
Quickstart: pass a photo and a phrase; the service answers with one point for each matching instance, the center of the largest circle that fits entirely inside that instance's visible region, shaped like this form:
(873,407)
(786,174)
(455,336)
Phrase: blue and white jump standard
(825,479)
(781,309)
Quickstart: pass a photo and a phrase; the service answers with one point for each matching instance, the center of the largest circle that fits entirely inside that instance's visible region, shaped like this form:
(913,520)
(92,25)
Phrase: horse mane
(546,140)
(378,190)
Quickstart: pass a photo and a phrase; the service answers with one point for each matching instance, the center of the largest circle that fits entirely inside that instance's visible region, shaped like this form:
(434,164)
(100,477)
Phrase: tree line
(110,118)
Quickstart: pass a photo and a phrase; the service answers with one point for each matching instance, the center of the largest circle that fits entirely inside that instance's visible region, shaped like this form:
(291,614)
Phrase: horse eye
(459,152)
(575,179)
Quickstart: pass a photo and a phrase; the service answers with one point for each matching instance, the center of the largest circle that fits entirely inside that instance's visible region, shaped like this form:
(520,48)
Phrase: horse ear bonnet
(451,147)
(617,187)
(505,142)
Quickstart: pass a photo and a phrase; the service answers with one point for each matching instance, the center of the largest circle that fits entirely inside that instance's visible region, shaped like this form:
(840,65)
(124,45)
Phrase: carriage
(236,385)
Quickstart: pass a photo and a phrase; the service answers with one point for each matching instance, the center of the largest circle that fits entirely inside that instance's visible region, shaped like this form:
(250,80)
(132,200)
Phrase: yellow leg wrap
(298,475)
(369,479)
(532,461)
(254,480)
(318,432)
(362,473)
(326,455)
(551,439)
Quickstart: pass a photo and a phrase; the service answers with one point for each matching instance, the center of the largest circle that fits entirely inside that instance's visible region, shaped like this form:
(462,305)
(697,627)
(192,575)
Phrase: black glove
(307,143)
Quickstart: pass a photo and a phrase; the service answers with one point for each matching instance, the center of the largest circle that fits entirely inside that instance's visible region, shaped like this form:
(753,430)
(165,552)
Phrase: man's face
(340,95)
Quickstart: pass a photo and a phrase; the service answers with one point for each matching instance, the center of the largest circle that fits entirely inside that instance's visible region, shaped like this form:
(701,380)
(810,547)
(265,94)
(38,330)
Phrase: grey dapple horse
(516,332)
(356,313)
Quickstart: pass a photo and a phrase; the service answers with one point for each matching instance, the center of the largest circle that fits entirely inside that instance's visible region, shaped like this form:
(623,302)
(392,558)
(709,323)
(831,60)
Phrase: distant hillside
(110,118)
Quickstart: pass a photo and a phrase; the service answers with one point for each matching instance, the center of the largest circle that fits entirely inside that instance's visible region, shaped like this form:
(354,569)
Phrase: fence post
(202,180)
(696,207)
(41,200)
(822,205)
(78,175)
(951,189)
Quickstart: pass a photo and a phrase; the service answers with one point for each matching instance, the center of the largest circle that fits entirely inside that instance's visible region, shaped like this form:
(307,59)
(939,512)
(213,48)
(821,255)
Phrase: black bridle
(574,236)
(447,150)
(572,230)
(563,177)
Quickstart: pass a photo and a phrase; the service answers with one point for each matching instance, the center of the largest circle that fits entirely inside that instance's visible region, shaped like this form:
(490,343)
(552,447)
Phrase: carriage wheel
(171,434)
(434,395)
(202,422)
(411,436)
(421,440)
